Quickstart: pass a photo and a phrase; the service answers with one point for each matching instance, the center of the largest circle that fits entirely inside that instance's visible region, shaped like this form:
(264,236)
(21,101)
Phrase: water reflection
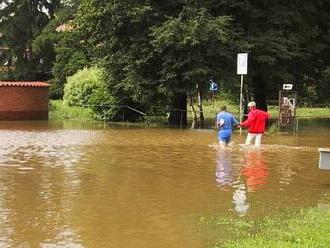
(38,184)
(224,170)
(64,186)
(254,170)
(240,200)
(225,175)
(250,175)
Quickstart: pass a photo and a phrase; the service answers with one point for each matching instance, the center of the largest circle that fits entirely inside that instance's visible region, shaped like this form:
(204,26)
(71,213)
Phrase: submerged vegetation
(59,110)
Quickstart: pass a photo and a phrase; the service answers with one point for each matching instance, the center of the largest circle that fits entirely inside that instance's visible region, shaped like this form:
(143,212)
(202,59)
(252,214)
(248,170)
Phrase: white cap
(251,104)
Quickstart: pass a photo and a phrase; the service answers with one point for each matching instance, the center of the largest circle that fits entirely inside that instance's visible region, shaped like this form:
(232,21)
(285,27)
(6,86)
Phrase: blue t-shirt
(227,120)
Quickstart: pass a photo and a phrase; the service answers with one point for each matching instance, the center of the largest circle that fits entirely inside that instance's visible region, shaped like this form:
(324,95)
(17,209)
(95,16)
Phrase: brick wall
(23,103)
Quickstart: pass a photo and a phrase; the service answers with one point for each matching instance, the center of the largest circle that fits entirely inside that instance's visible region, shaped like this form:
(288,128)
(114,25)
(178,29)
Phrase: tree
(21,21)
(285,39)
(154,51)
(117,38)
(192,48)
(60,48)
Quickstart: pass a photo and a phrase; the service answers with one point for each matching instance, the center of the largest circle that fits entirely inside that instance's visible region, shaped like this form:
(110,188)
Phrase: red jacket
(256,121)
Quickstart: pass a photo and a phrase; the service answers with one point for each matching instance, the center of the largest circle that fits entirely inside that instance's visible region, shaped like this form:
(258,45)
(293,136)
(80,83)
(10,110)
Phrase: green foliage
(45,44)
(21,21)
(117,37)
(70,57)
(87,88)
(60,49)
(82,85)
(55,90)
(58,110)
(287,42)
(192,48)
(307,229)
(154,50)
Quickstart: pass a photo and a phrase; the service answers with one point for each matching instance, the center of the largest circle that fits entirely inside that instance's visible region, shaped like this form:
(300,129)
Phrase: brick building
(23,100)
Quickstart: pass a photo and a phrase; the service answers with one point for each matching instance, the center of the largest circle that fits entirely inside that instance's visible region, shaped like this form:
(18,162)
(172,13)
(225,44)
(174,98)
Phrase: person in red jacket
(255,123)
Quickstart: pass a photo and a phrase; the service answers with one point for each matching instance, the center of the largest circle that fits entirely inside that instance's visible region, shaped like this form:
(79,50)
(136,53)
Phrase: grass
(58,110)
(210,109)
(308,228)
(313,112)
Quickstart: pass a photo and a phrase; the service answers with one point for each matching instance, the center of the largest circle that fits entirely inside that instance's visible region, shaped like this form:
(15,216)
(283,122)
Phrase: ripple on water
(133,183)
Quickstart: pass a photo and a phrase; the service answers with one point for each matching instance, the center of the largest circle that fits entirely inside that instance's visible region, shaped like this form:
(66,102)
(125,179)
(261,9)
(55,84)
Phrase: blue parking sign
(213,86)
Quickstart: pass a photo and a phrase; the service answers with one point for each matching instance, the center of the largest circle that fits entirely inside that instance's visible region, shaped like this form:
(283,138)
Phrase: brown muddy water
(87,185)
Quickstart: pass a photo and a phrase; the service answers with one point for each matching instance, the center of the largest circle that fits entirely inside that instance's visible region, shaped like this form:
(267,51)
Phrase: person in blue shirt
(225,123)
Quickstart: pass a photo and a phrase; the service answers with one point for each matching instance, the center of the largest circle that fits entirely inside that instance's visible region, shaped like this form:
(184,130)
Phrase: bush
(60,111)
(87,88)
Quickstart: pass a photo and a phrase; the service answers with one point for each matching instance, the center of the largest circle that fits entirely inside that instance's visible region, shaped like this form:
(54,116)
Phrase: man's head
(223,108)
(252,105)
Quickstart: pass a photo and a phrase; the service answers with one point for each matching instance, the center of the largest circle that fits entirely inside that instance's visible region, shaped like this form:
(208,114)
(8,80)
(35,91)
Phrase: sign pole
(241,105)
(213,99)
(242,63)
(213,87)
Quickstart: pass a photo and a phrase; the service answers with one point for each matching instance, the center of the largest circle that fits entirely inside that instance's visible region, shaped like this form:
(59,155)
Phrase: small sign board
(213,86)
(287,86)
(242,63)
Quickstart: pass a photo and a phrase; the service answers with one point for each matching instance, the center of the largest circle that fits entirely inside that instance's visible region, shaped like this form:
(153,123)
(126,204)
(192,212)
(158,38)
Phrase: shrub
(87,88)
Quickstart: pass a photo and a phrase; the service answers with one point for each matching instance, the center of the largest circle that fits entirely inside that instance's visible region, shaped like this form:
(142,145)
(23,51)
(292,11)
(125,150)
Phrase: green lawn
(309,228)
(210,109)
(313,112)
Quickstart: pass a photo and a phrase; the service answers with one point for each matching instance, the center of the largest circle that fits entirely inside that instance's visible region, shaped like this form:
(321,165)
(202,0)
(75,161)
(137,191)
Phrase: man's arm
(234,121)
(248,121)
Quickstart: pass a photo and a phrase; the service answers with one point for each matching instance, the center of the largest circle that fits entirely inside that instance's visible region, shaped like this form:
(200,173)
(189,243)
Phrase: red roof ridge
(24,83)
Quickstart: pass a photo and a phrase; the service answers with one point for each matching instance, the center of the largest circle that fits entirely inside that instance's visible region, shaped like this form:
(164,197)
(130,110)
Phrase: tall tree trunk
(178,111)
(259,93)
(200,107)
(193,124)
(259,83)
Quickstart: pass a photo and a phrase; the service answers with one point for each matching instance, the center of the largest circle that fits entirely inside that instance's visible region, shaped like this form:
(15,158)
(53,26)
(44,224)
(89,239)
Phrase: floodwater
(86,185)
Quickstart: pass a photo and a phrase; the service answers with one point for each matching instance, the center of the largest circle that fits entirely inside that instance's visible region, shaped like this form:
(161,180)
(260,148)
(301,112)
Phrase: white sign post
(242,63)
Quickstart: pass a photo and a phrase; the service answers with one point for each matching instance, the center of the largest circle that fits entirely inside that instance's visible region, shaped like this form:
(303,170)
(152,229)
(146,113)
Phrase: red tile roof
(24,84)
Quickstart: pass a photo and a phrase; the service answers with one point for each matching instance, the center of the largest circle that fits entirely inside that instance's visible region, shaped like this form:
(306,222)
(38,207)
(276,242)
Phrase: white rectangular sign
(242,63)
(287,86)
